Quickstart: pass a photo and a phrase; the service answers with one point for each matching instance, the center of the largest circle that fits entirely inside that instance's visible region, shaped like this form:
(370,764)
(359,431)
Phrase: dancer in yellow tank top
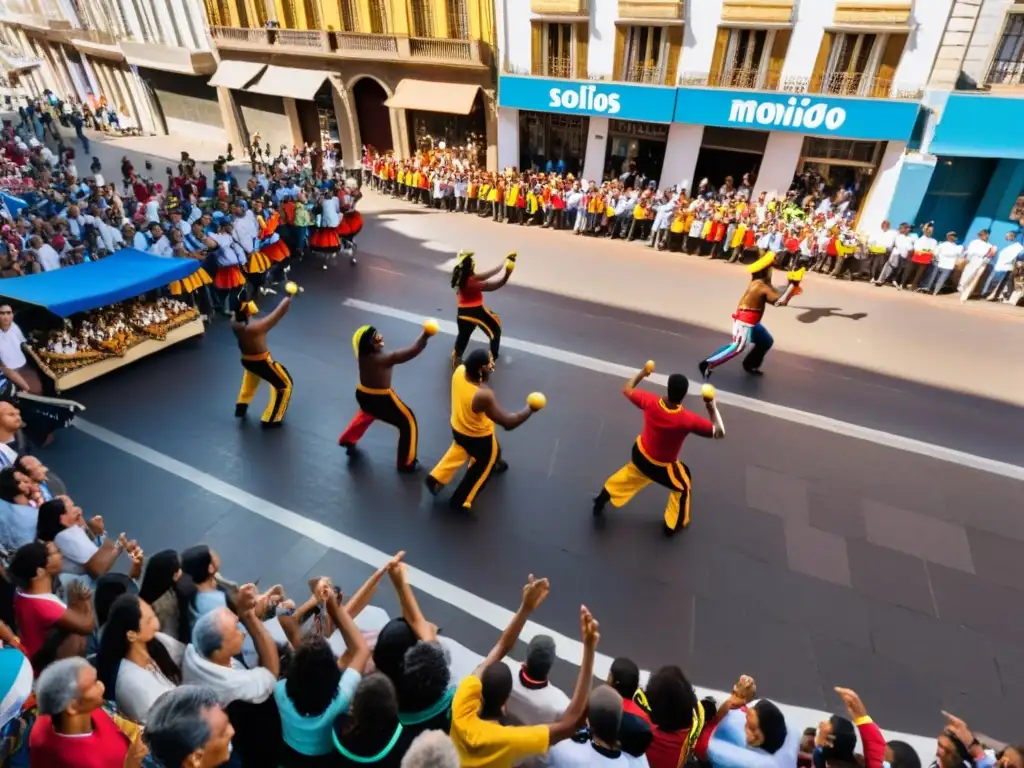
(475,411)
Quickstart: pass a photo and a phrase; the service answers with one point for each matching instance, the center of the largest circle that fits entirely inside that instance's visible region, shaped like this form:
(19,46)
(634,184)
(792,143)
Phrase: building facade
(693,89)
(969,172)
(146,57)
(393,74)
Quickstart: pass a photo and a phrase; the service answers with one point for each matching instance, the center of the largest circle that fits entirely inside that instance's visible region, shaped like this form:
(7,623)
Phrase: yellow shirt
(464,418)
(485,743)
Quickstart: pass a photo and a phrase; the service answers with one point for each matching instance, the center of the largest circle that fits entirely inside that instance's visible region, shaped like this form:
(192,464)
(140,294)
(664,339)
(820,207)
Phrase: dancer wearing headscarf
(475,411)
(655,457)
(376,398)
(471,287)
(257,362)
(747,329)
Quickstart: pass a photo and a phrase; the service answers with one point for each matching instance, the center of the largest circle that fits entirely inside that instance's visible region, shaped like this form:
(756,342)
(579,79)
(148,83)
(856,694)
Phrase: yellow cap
(763,263)
(356,337)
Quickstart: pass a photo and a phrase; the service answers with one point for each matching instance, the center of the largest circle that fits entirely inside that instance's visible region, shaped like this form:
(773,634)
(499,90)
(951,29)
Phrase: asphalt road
(814,559)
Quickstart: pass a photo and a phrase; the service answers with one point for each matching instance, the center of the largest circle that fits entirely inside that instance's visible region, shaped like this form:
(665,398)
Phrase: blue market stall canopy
(122,275)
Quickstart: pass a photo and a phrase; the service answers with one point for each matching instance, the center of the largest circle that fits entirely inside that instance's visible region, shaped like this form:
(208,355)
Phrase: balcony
(353,45)
(560,67)
(96,43)
(169,58)
(651,10)
(560,7)
(638,73)
(854,85)
(1005,75)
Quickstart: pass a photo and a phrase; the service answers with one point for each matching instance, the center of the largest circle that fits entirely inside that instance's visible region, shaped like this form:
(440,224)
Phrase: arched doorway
(373,116)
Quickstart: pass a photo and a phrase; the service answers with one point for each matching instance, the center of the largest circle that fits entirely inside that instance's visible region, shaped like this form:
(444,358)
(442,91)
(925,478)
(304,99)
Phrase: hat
(365,332)
(763,263)
(540,657)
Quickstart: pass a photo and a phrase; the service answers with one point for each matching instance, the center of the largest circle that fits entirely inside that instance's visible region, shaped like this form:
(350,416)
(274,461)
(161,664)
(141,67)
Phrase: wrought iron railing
(1005,73)
(638,73)
(349,42)
(436,48)
(559,66)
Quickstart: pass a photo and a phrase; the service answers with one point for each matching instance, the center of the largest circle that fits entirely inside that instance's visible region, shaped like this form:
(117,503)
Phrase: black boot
(600,501)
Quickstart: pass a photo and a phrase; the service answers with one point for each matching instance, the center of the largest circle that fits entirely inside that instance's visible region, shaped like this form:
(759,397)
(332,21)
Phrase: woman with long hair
(136,662)
(370,733)
(470,288)
(166,589)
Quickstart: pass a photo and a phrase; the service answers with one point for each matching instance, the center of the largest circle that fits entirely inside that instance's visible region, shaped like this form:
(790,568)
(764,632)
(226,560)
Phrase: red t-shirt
(471,295)
(105,747)
(665,428)
(35,615)
(666,748)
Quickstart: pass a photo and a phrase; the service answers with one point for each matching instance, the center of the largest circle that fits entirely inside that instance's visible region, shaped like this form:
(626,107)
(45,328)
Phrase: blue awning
(122,275)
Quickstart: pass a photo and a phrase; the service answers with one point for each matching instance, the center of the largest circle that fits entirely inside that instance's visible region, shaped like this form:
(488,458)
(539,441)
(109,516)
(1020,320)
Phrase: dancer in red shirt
(656,452)
(471,286)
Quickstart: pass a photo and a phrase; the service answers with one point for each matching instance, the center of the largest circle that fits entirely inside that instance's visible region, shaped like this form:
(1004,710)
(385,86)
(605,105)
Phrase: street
(859,526)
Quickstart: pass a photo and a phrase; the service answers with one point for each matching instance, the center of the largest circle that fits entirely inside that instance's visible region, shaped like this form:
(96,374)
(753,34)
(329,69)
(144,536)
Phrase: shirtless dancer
(376,398)
(258,364)
(747,329)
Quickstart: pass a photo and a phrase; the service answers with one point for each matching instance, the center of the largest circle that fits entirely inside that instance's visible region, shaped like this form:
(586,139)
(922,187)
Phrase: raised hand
(535,592)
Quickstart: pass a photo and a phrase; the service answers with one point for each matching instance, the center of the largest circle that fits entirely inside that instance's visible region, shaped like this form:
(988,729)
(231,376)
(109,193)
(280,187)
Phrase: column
(164,28)
(781,157)
(82,88)
(875,208)
(130,16)
(508,137)
(400,134)
(181,25)
(491,128)
(681,154)
(104,86)
(597,146)
(291,111)
(230,115)
(348,128)
(94,83)
(915,176)
(994,211)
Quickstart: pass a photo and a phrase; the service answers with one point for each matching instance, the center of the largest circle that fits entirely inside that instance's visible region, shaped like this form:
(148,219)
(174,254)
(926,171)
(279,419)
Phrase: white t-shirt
(574,754)
(138,687)
(1007,257)
(7,455)
(77,546)
(11,340)
(532,705)
(49,259)
(946,255)
(234,683)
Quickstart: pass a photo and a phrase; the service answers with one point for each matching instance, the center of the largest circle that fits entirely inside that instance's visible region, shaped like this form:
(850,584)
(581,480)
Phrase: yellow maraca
(707,392)
(649,366)
(430,326)
(536,400)
(291,288)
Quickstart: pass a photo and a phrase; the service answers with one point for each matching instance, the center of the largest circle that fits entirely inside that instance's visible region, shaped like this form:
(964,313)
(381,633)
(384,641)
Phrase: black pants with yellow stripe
(264,368)
(384,405)
(641,472)
(483,453)
(471,318)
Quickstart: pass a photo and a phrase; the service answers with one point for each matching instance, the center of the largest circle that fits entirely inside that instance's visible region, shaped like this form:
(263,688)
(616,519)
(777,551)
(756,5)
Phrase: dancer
(656,451)
(376,398)
(475,411)
(472,313)
(324,241)
(746,327)
(270,243)
(351,219)
(257,362)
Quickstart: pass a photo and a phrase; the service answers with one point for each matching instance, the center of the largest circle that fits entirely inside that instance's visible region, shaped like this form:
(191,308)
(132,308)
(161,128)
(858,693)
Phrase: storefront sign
(624,101)
(979,126)
(844,118)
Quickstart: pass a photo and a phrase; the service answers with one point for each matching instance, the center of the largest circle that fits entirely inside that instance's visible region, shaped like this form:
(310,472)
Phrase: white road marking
(568,648)
(804,418)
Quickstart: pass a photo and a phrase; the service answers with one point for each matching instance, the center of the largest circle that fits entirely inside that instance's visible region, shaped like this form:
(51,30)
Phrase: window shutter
(675,48)
(582,33)
(536,48)
(718,59)
(621,67)
(824,52)
(887,66)
(777,58)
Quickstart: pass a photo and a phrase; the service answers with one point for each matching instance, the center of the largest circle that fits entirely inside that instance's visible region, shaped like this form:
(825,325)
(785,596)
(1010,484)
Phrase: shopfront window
(838,169)
(552,143)
(1008,65)
(646,55)
(635,148)
(558,47)
(439,130)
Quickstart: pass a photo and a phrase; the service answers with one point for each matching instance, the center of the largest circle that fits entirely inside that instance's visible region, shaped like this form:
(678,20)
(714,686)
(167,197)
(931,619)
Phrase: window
(645,55)
(746,58)
(348,11)
(422,18)
(558,50)
(458,20)
(1008,64)
(291,18)
(378,17)
(853,63)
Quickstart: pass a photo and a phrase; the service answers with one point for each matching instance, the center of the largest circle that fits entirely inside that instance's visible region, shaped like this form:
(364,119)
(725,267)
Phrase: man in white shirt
(946,257)
(998,281)
(920,259)
(160,245)
(13,363)
(903,244)
(879,247)
(216,641)
(979,255)
(534,700)
(110,237)
(598,745)
(47,257)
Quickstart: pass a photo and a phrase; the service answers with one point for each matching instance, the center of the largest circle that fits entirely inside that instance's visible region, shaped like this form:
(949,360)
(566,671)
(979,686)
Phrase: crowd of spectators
(811,227)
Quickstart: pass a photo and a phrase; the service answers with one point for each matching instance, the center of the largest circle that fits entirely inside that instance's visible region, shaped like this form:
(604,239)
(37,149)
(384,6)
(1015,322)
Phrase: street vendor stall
(96,318)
